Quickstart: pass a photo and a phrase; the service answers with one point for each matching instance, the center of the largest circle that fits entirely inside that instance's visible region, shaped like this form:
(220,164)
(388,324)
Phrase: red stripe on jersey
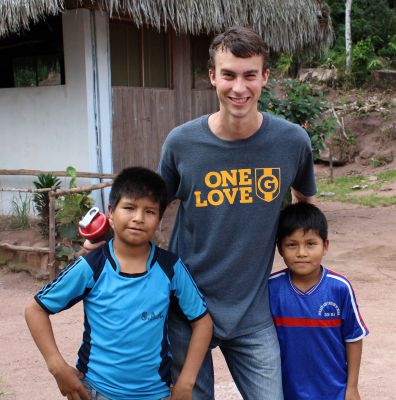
(307,322)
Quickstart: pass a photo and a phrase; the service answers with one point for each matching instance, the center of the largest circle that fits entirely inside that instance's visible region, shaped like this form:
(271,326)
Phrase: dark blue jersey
(125,349)
(312,328)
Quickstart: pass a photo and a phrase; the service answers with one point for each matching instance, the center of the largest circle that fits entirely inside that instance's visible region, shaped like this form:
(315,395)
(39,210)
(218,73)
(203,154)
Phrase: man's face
(238,83)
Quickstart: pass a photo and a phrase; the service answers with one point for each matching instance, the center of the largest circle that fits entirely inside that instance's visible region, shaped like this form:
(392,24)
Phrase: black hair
(138,182)
(242,42)
(301,216)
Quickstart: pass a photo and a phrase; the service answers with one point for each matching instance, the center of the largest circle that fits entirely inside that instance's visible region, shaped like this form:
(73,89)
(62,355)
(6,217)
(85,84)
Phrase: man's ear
(212,76)
(266,74)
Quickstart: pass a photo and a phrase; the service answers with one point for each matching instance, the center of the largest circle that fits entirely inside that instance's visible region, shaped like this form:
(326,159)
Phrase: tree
(348,37)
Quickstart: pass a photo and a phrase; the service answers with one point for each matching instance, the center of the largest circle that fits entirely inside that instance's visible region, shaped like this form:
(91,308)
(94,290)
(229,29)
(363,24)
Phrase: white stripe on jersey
(277,274)
(354,306)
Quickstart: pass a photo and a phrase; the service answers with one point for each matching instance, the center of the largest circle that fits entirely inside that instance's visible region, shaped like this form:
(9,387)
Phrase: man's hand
(69,383)
(88,246)
(181,391)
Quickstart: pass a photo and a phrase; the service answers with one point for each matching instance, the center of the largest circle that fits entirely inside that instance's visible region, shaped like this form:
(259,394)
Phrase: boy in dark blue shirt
(317,319)
(126,286)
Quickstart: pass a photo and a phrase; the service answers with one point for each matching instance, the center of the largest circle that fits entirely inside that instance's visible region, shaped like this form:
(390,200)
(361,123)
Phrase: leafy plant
(70,209)
(20,211)
(41,200)
(304,106)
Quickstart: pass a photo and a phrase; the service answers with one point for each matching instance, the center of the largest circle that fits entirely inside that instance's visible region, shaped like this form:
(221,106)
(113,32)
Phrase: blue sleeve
(304,181)
(186,291)
(69,287)
(353,326)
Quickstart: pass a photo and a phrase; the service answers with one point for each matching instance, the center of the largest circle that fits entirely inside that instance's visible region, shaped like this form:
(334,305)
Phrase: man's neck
(227,127)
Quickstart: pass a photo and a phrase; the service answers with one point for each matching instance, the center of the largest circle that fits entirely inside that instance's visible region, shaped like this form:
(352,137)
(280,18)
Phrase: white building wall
(50,128)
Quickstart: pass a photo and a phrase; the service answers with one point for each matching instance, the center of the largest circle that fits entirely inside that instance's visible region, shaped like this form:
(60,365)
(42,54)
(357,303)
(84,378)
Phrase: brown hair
(242,42)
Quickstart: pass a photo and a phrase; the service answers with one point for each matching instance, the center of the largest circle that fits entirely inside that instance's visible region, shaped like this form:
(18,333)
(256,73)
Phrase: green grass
(343,192)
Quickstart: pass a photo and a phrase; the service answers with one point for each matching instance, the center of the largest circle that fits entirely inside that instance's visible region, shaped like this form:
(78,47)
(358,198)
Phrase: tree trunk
(348,37)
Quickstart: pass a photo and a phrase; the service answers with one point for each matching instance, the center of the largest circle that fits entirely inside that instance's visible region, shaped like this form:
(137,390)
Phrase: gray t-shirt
(231,194)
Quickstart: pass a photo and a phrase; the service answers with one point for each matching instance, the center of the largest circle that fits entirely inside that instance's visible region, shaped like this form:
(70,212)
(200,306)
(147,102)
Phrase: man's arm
(354,355)
(298,197)
(202,331)
(67,377)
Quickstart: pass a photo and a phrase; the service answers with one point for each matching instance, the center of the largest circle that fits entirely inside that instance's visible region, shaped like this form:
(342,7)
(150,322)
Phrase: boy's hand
(352,393)
(181,391)
(88,246)
(69,383)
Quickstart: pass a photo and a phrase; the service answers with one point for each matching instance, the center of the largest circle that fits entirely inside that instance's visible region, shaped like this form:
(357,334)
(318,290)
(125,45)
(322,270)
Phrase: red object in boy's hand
(95,226)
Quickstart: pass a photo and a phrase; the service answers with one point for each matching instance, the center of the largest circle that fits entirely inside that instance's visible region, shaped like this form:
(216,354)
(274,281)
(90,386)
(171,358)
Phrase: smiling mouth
(239,100)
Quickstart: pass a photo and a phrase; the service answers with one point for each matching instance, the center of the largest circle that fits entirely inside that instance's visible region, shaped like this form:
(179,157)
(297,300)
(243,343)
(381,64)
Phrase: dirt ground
(362,247)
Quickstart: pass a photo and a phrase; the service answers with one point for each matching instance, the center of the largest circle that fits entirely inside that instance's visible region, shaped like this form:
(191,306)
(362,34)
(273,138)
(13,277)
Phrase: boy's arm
(354,355)
(202,331)
(67,377)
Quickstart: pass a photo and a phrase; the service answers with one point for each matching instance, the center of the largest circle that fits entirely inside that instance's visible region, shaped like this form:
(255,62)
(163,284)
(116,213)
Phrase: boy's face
(303,252)
(238,82)
(134,221)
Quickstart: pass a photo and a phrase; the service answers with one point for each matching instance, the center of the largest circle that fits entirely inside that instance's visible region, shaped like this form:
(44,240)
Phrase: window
(35,57)
(139,57)
(199,61)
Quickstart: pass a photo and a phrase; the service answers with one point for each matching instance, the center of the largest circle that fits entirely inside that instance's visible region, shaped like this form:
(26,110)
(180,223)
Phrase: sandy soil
(362,247)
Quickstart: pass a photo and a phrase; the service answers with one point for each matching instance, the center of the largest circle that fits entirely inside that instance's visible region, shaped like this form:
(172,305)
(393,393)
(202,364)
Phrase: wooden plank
(34,172)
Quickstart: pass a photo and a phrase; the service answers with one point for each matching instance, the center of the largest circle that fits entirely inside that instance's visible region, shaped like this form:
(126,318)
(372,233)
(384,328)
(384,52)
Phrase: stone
(366,154)
(384,157)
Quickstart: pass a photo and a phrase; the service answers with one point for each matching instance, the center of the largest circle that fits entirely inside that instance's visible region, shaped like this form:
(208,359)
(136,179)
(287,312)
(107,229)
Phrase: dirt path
(362,247)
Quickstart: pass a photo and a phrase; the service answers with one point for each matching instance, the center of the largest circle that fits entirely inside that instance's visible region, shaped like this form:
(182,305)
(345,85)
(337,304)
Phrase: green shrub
(41,200)
(303,106)
(20,212)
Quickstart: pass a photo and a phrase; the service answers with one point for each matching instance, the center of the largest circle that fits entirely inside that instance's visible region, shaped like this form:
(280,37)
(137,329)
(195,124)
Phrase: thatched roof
(286,25)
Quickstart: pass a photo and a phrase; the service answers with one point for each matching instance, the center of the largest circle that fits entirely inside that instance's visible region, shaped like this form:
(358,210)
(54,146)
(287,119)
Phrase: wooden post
(51,235)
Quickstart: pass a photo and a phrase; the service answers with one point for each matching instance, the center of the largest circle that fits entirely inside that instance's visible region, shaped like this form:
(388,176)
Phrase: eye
(290,245)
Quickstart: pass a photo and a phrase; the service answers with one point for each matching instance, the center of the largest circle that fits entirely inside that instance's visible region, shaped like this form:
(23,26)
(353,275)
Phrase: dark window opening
(139,57)
(199,61)
(34,57)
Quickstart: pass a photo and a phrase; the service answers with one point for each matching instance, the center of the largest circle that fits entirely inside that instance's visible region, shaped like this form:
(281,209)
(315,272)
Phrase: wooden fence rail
(52,194)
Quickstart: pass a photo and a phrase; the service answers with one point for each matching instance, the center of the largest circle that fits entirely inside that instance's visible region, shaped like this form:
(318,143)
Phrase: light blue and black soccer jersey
(312,328)
(125,351)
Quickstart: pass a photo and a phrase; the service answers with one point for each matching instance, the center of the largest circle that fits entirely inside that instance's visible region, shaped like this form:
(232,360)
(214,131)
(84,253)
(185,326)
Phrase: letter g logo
(267,183)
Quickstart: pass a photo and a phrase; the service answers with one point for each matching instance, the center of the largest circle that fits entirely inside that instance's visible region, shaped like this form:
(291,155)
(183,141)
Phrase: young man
(231,171)
(126,286)
(317,318)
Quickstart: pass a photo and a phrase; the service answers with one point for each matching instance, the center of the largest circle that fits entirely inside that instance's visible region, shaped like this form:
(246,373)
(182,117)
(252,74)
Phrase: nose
(138,215)
(239,85)
(301,251)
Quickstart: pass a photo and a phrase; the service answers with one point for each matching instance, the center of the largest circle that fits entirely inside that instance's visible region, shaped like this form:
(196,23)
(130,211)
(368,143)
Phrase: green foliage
(362,54)
(70,210)
(41,200)
(20,211)
(283,64)
(303,106)
(373,26)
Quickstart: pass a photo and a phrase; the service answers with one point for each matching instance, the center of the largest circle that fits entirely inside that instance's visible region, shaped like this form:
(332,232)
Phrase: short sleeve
(167,169)
(184,288)
(70,286)
(304,181)
(353,326)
